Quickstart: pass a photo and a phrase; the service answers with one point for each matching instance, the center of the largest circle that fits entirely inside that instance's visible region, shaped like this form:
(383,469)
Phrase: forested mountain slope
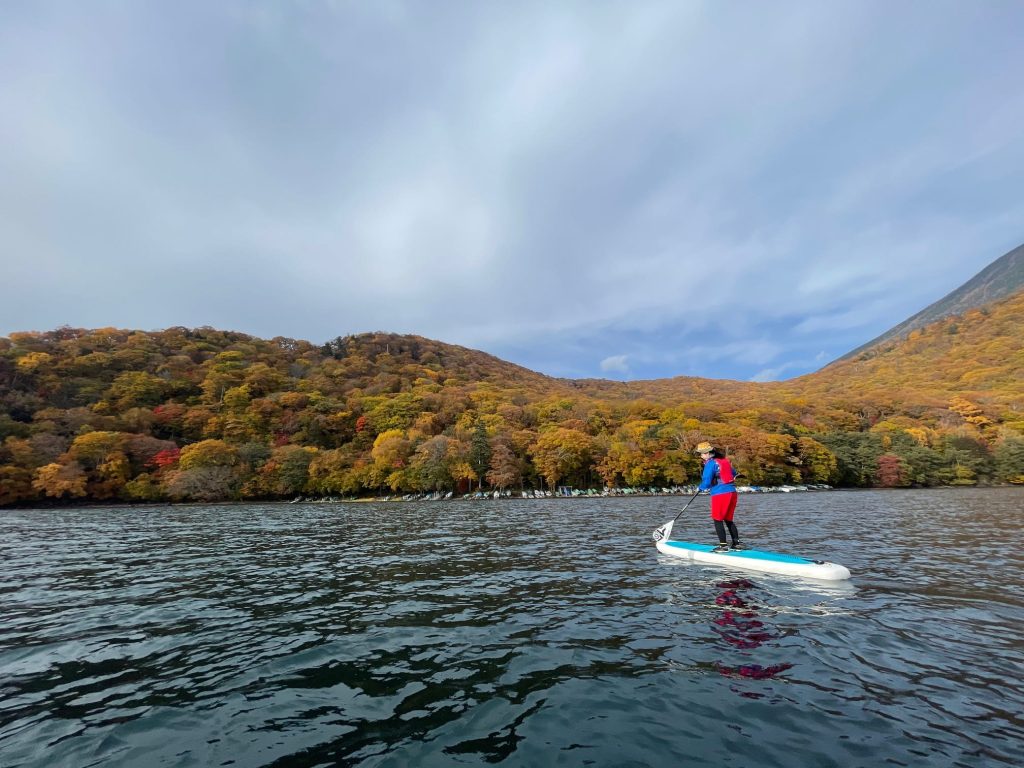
(201,414)
(1002,278)
(978,355)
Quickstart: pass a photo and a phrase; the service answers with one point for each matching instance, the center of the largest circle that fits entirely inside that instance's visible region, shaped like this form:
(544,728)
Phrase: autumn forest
(202,415)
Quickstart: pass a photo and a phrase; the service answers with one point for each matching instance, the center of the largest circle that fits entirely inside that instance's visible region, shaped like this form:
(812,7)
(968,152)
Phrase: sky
(622,190)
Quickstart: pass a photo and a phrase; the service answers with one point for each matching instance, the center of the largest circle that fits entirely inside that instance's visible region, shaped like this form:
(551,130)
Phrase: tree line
(202,414)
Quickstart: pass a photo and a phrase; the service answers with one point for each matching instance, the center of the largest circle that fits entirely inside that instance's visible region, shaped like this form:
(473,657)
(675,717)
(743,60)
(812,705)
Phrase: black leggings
(720,530)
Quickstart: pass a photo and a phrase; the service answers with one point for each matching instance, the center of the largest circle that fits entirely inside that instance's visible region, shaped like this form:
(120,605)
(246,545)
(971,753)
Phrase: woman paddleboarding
(718,479)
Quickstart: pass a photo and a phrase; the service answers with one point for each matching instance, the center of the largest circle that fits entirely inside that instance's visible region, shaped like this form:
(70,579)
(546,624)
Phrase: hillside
(202,414)
(977,356)
(1003,277)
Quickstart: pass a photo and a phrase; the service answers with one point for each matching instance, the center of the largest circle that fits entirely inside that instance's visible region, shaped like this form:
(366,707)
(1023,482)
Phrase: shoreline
(463,498)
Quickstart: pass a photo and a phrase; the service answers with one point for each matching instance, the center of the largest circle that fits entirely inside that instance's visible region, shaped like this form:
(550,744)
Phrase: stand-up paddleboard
(751,559)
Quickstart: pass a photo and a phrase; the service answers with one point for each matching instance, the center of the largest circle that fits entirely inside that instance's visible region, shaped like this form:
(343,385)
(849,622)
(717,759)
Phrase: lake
(513,632)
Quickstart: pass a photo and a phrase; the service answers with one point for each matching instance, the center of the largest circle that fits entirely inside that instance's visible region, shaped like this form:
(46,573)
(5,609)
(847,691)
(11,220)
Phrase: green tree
(144,487)
(431,464)
(856,456)
(286,472)
(926,466)
(971,459)
(1009,460)
(480,450)
(134,389)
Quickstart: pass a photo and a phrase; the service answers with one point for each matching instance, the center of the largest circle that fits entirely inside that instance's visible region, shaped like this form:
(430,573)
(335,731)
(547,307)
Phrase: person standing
(717,479)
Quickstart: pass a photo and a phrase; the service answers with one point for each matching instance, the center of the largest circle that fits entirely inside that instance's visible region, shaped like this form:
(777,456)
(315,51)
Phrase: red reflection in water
(729,597)
(743,631)
(728,619)
(755,671)
(736,584)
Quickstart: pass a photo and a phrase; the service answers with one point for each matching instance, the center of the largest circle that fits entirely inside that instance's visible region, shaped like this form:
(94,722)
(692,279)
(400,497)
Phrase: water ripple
(525,633)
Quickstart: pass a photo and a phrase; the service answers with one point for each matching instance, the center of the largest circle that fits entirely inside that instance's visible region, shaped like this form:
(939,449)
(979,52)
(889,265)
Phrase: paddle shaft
(687,505)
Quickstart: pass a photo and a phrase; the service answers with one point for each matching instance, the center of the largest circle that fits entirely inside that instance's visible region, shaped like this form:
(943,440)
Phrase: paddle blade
(662,533)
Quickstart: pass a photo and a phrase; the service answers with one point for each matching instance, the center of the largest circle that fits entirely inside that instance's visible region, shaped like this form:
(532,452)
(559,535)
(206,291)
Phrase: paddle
(687,505)
(664,531)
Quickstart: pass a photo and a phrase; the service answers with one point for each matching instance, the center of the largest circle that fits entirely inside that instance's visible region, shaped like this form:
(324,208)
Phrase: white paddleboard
(750,559)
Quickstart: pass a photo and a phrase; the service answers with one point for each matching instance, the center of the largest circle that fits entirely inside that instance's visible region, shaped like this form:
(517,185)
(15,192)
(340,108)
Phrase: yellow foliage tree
(59,480)
(560,452)
(207,453)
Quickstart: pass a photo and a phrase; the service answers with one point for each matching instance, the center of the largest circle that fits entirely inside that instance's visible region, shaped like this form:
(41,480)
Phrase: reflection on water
(524,632)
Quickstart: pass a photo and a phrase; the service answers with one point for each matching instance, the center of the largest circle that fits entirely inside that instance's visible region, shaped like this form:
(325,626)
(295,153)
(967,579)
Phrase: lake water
(532,633)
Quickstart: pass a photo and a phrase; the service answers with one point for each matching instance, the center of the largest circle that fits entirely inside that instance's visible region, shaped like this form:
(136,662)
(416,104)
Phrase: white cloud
(710,188)
(770,374)
(615,364)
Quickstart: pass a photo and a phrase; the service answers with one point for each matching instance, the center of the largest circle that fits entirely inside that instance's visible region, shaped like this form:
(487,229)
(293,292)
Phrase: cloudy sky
(624,190)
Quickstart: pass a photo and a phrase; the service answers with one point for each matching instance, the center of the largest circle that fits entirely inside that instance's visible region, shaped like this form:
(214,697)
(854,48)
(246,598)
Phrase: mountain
(977,355)
(408,353)
(199,414)
(1003,277)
